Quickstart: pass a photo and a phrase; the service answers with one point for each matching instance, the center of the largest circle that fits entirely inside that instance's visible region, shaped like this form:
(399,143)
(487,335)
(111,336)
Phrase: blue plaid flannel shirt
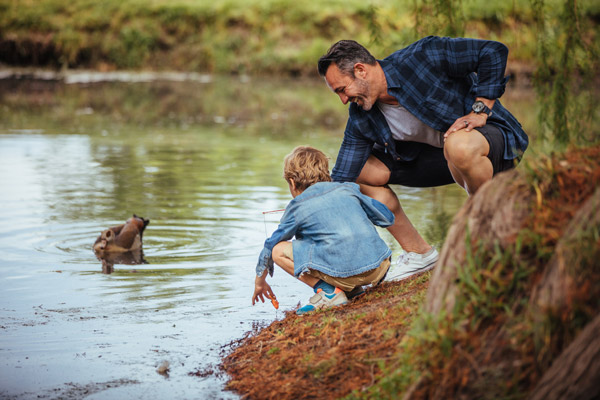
(437,80)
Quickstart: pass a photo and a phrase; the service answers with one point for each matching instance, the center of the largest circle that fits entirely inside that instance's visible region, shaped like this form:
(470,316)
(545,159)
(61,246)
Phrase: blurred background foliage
(553,43)
(262,36)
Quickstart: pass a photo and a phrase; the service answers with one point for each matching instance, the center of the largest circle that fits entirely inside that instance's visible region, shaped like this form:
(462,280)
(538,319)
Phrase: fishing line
(265,218)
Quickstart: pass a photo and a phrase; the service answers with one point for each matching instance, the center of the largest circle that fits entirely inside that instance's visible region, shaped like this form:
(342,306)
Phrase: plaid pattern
(437,80)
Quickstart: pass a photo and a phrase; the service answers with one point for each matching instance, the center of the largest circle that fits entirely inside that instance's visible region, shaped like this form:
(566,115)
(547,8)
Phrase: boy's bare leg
(287,264)
(373,182)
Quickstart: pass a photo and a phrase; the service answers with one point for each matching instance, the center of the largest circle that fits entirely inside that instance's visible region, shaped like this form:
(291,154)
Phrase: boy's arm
(262,289)
(377,212)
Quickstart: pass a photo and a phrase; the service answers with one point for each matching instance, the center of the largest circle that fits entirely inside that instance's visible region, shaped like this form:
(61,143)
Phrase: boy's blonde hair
(306,166)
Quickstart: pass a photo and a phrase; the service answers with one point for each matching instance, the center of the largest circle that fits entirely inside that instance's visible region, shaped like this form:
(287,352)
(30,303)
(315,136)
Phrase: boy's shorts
(372,277)
(430,168)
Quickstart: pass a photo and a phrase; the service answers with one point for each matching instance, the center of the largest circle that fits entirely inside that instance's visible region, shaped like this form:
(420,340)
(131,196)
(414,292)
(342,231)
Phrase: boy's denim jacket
(333,225)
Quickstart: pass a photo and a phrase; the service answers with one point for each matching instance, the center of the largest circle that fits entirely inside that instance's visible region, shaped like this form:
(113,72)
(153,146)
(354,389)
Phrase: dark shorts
(430,168)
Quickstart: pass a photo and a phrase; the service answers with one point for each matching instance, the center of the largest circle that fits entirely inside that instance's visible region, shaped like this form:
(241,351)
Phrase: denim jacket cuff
(265,261)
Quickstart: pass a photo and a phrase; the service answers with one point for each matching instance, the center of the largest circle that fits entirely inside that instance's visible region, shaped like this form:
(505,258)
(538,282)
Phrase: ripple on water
(173,244)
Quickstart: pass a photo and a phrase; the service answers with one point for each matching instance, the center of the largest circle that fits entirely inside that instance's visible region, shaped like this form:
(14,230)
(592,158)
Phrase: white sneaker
(412,263)
(324,300)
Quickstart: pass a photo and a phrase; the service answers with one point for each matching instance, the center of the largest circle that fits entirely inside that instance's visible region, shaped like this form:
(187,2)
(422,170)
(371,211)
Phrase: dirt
(328,353)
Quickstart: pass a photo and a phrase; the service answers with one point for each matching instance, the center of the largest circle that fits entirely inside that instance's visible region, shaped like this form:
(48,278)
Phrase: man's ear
(360,70)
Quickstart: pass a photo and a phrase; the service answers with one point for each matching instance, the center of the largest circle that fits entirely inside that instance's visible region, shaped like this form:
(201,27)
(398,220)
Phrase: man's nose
(344,98)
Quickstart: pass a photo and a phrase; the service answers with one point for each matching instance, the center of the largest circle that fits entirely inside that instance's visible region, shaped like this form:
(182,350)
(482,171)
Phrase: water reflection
(108,260)
(202,160)
(261,107)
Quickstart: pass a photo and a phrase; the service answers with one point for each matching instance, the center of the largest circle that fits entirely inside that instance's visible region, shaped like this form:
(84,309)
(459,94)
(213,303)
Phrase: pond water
(201,158)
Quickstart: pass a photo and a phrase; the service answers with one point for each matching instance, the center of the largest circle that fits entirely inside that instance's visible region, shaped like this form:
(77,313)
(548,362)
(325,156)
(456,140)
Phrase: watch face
(478,106)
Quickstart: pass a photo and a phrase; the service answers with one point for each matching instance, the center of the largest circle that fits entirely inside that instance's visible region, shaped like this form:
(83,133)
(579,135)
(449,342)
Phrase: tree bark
(575,374)
(574,257)
(496,213)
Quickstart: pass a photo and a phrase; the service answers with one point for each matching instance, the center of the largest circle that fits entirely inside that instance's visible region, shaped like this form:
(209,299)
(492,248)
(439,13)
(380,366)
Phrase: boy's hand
(262,290)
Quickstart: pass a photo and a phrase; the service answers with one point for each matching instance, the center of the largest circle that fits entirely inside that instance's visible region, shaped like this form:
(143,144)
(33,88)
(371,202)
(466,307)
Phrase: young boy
(337,249)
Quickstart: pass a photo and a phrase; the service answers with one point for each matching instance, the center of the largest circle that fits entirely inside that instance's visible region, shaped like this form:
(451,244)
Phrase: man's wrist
(480,107)
(483,115)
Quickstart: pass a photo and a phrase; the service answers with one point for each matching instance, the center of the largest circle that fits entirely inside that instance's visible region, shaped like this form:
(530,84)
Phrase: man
(427,115)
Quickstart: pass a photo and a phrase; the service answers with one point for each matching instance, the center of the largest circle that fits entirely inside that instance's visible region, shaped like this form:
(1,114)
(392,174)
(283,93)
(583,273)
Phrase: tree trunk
(575,258)
(575,374)
(495,214)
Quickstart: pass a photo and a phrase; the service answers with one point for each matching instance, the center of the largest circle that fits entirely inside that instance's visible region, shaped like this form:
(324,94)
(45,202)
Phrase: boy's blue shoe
(321,299)
(321,284)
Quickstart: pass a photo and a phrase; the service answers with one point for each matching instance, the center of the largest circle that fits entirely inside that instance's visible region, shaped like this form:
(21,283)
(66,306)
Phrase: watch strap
(485,108)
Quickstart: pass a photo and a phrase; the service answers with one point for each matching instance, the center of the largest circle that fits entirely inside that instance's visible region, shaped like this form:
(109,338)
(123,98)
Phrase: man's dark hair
(345,54)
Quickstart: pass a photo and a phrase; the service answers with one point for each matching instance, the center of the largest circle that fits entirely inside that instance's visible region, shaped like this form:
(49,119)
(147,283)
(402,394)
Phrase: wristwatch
(479,107)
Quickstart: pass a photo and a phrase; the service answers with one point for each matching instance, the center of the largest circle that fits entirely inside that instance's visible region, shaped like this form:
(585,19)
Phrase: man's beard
(363,94)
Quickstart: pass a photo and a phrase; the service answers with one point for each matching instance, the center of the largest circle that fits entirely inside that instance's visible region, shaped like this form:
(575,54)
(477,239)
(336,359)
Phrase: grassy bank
(224,36)
(236,36)
(487,324)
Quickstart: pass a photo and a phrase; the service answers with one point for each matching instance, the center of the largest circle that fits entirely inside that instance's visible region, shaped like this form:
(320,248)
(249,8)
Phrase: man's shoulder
(415,47)
(406,63)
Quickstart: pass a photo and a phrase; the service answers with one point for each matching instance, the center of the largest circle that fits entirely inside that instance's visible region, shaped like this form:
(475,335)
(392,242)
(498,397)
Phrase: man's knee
(374,173)
(461,151)
(372,180)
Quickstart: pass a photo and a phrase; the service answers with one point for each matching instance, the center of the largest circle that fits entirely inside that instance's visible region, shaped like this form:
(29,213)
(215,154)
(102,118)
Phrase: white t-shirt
(407,127)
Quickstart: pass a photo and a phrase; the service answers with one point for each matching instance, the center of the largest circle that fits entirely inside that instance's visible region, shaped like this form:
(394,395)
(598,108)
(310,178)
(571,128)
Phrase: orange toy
(274,302)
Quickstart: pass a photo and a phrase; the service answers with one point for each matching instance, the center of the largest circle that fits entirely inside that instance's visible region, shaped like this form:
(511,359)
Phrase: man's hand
(471,120)
(468,123)
(262,290)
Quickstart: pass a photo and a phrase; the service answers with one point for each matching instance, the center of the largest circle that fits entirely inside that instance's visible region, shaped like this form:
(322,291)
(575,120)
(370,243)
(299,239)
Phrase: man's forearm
(488,102)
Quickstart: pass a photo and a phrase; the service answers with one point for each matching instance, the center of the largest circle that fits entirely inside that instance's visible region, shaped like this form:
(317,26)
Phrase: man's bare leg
(466,153)
(373,183)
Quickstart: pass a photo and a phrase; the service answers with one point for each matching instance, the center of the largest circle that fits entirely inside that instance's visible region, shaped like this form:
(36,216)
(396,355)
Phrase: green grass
(238,36)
